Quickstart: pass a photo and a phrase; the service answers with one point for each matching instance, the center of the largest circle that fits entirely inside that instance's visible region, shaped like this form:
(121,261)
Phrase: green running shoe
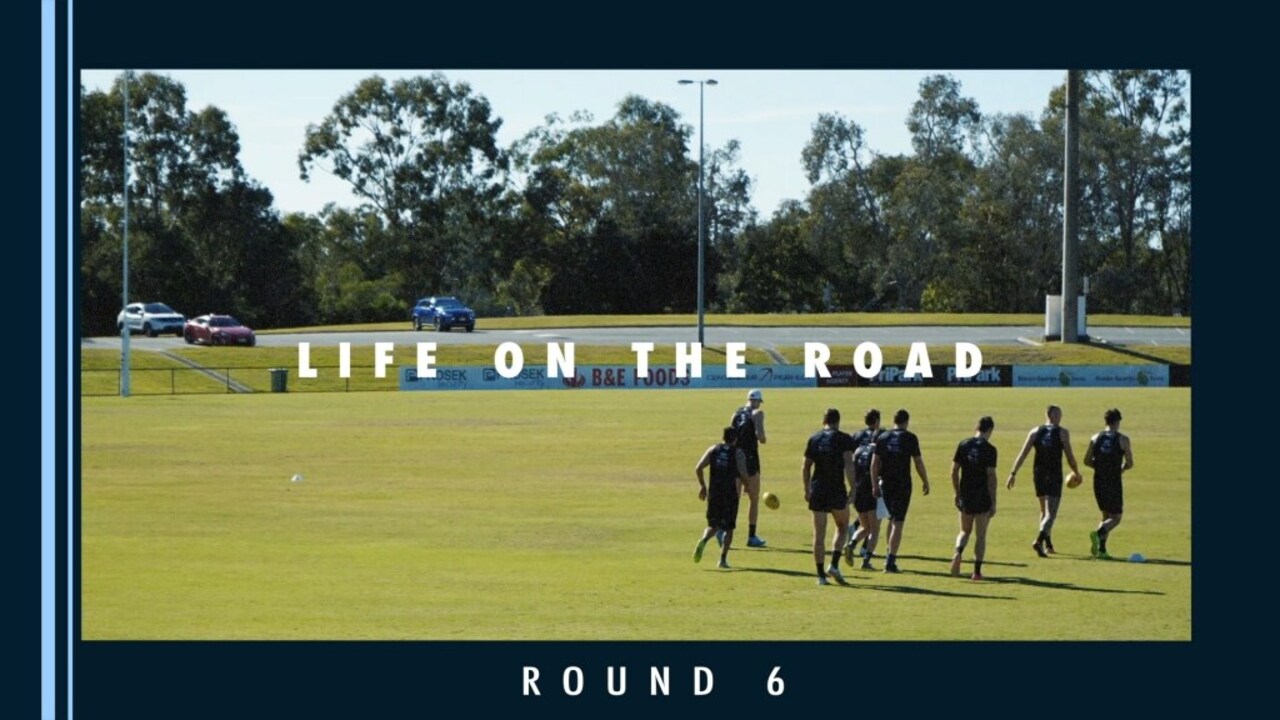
(697,550)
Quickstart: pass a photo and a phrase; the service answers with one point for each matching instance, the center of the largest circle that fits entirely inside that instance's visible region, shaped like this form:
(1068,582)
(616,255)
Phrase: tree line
(587,216)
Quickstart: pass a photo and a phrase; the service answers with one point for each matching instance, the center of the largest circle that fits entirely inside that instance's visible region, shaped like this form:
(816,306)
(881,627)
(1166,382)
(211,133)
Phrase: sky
(770,113)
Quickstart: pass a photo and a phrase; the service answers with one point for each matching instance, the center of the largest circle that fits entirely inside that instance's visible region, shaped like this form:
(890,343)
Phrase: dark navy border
(325,679)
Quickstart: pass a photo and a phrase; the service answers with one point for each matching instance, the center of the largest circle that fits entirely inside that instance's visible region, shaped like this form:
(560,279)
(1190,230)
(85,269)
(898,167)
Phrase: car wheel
(471,328)
(437,324)
(187,337)
(177,333)
(150,331)
(253,341)
(417,324)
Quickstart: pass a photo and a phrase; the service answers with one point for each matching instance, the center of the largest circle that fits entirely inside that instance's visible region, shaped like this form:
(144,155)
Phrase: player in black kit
(973,476)
(896,451)
(1110,455)
(866,528)
(828,464)
(1051,442)
(748,420)
(728,466)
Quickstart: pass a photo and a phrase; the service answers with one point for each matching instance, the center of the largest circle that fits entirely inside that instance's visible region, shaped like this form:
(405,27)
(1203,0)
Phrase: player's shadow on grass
(860,582)
(775,548)
(908,590)
(1178,563)
(776,571)
(1029,582)
(947,561)
(1118,558)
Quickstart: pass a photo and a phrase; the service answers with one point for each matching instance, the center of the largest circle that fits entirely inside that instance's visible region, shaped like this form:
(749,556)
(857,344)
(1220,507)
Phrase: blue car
(443,313)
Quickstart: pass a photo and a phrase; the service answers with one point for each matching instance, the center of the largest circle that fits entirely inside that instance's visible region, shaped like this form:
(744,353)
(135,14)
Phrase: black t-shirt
(745,424)
(826,449)
(724,468)
(1108,455)
(896,448)
(975,455)
(865,442)
(1048,444)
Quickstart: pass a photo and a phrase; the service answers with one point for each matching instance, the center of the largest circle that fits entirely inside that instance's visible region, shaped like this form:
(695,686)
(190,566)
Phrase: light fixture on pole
(702,240)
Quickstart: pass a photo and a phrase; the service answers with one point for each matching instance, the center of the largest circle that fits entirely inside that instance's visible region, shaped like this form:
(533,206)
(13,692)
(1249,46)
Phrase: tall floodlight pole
(124,300)
(1070,292)
(702,239)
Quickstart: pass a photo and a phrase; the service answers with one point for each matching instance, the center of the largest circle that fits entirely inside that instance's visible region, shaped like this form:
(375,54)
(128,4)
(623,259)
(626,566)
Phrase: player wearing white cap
(748,420)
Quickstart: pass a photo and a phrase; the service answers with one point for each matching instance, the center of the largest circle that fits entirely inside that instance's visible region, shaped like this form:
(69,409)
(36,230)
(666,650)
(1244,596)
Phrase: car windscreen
(159,308)
(448,303)
(224,321)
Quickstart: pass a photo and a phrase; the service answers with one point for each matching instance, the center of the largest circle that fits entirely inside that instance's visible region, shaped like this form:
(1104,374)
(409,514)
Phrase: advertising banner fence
(1091,376)
(896,376)
(624,377)
(597,377)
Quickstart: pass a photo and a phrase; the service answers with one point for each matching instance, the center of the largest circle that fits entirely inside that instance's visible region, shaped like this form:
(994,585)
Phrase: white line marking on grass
(777,357)
(1129,330)
(1029,341)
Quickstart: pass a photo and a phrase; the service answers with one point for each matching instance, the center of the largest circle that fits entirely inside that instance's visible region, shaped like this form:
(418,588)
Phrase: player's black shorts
(1048,483)
(897,498)
(1110,495)
(863,499)
(722,509)
(753,463)
(828,498)
(975,502)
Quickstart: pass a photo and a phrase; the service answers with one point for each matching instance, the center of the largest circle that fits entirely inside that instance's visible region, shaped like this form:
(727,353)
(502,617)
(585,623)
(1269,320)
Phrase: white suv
(151,318)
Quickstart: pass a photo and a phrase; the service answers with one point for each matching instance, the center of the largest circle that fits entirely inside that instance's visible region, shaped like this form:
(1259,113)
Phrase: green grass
(572,515)
(406,353)
(155,374)
(1052,353)
(764,320)
(95,360)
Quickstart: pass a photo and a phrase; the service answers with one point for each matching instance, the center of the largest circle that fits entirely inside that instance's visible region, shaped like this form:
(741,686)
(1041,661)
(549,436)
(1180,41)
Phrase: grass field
(250,367)
(1045,354)
(572,516)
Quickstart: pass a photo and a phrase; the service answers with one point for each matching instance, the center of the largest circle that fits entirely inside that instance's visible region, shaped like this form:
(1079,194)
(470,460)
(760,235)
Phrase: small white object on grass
(296,478)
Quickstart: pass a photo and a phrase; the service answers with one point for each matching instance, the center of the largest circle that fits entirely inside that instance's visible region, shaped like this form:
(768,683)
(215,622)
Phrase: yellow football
(1074,480)
(772,501)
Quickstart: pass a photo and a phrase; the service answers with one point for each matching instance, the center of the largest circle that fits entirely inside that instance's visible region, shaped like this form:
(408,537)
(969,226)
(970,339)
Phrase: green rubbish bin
(279,379)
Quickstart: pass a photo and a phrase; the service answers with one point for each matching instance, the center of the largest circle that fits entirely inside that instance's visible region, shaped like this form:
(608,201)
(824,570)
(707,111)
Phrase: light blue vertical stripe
(48,376)
(72,347)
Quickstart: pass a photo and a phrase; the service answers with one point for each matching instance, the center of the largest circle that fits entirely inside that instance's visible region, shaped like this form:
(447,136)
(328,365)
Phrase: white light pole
(702,239)
(124,325)
(1070,227)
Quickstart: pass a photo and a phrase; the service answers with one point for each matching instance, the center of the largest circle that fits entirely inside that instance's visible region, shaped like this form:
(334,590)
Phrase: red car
(217,330)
